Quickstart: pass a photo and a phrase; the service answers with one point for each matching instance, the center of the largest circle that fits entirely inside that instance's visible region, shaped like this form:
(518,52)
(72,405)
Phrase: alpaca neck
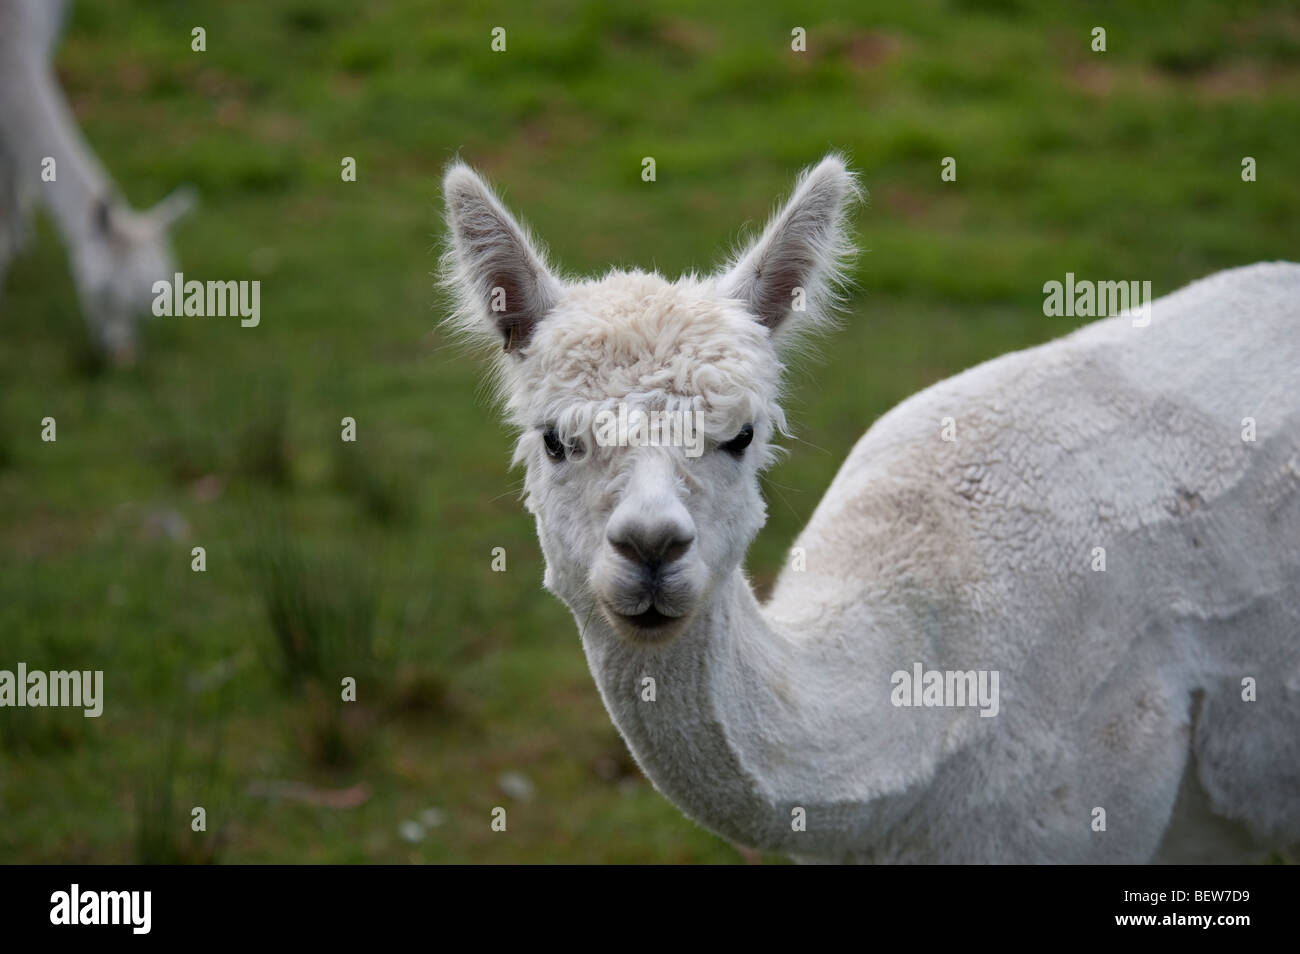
(36,123)
(725,732)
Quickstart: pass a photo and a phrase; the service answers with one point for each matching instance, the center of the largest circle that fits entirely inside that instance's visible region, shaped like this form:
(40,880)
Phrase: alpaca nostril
(626,550)
(652,550)
(676,549)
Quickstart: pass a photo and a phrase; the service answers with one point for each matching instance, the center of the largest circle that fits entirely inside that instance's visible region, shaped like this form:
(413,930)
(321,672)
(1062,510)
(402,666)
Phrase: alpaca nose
(653,546)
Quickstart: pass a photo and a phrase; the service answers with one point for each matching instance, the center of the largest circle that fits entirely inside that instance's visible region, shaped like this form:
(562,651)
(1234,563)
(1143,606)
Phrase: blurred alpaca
(116,253)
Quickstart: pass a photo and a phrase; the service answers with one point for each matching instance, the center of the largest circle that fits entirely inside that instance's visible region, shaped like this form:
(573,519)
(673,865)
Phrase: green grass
(1117,165)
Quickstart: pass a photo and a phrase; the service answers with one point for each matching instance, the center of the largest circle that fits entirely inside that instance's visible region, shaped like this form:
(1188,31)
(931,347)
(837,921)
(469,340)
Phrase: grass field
(373,559)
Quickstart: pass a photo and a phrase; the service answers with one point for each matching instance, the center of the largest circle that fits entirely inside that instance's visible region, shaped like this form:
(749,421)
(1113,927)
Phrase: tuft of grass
(329,731)
(6,442)
(264,450)
(321,615)
(384,488)
(41,731)
(322,619)
(421,692)
(86,361)
(164,832)
(185,451)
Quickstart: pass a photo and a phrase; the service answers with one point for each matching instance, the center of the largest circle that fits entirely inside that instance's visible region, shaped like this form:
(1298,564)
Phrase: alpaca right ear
(499,277)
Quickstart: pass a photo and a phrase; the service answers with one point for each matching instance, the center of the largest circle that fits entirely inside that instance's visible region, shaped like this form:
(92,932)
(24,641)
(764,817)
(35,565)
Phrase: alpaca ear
(791,274)
(498,276)
(179,203)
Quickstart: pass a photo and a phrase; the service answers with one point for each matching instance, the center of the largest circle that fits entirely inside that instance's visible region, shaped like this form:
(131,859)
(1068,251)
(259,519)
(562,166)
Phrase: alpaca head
(125,253)
(646,408)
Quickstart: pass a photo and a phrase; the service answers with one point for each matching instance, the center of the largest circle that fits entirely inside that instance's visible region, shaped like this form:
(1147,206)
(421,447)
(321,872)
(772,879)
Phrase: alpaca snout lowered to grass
(1048,611)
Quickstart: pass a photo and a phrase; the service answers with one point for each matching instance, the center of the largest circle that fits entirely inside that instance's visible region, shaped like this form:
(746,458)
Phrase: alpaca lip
(652,623)
(650,619)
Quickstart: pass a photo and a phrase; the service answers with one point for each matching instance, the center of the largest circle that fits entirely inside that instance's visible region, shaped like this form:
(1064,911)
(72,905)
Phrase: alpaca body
(978,554)
(115,253)
(1147,708)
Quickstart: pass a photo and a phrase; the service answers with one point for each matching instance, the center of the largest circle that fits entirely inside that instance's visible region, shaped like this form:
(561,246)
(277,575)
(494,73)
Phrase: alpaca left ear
(791,274)
(499,277)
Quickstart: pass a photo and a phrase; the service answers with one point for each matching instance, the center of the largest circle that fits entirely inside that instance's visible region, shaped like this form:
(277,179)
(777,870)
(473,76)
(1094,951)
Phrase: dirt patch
(871,49)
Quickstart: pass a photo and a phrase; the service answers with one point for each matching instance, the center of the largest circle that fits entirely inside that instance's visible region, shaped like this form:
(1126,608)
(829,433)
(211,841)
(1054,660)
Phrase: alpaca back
(985,552)
(27,28)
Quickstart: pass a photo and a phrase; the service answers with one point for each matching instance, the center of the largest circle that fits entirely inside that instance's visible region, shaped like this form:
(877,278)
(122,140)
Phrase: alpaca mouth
(650,619)
(652,624)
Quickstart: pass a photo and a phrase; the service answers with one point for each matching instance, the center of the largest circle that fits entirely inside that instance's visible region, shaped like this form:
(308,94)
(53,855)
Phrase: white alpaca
(1123,690)
(116,253)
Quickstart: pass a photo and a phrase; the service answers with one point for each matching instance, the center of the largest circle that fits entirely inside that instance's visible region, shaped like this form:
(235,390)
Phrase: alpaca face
(646,411)
(646,408)
(116,268)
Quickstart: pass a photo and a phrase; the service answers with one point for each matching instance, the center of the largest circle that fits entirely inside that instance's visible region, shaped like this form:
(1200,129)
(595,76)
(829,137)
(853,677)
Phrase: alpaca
(116,253)
(1149,708)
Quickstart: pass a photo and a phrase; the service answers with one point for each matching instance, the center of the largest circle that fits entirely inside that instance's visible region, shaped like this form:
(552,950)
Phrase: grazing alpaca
(116,253)
(1122,691)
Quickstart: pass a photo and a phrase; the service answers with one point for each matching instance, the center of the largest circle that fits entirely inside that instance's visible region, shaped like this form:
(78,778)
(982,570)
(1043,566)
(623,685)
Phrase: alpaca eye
(738,443)
(554,446)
